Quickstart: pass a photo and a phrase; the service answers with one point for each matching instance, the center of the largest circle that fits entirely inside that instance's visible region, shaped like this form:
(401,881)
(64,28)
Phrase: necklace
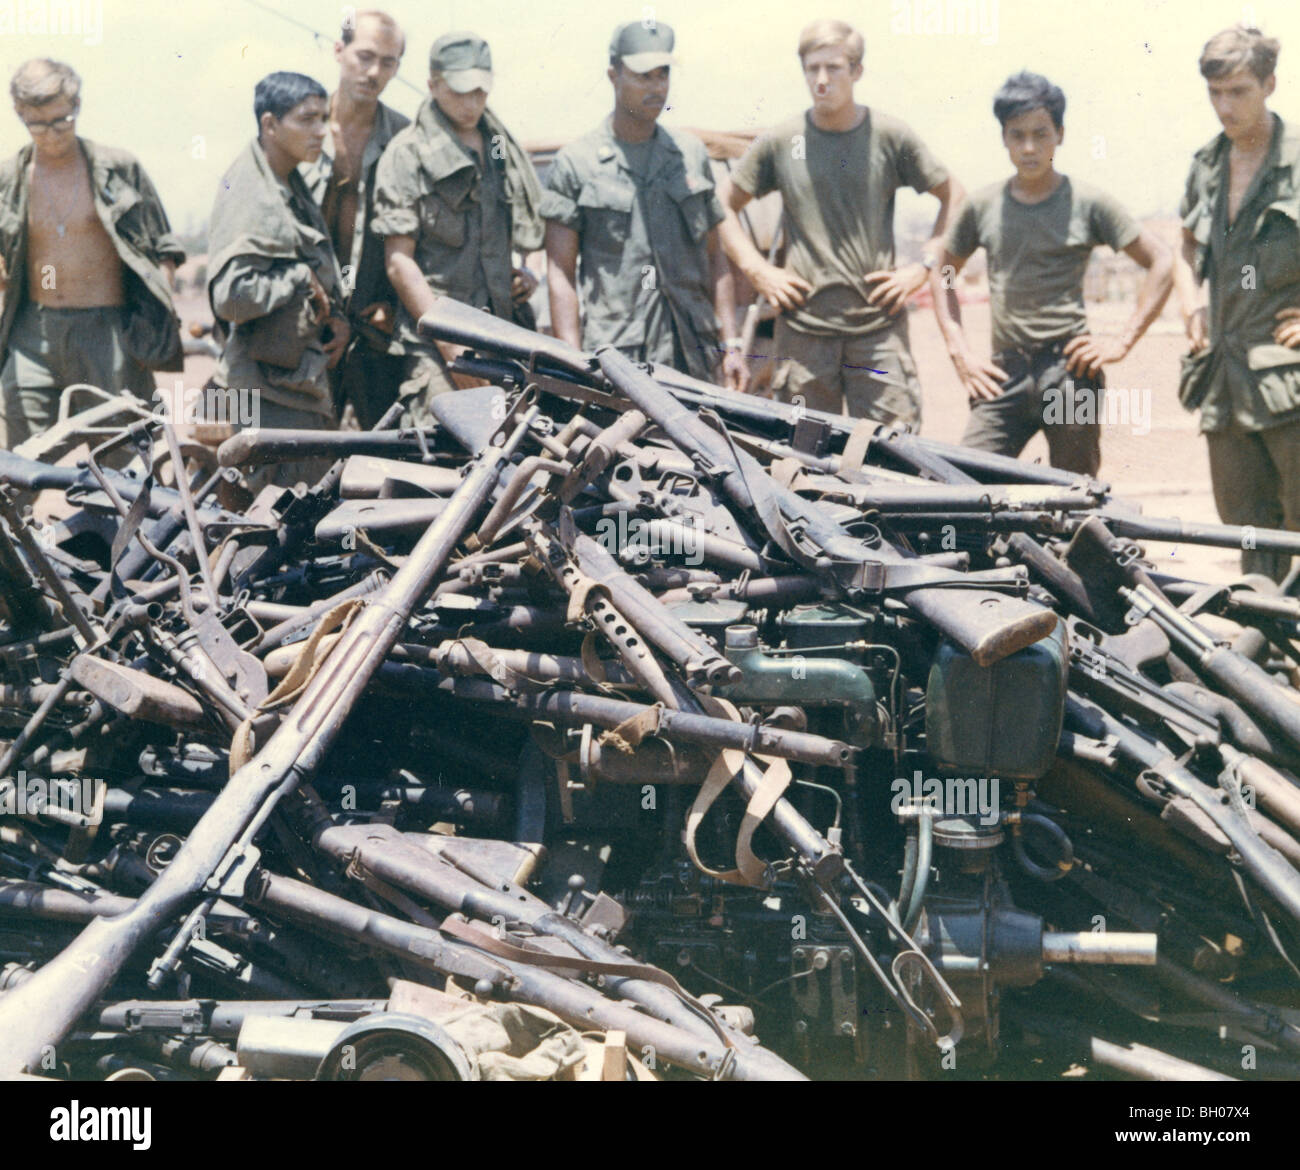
(61,217)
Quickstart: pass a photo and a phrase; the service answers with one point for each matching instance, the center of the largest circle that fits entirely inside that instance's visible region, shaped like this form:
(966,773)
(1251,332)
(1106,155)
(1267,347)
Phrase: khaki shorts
(52,349)
(872,376)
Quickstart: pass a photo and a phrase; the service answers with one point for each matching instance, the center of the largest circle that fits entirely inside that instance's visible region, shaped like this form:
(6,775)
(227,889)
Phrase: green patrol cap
(643,46)
(464,60)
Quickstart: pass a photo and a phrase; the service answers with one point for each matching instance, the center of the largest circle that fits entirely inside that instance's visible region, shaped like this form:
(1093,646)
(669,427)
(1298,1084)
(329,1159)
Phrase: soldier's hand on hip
(1197,332)
(982,379)
(779,286)
(894,287)
(1086,354)
(1288,333)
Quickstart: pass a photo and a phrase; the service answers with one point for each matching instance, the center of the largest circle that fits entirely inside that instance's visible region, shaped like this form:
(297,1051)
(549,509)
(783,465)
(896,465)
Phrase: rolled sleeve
(560,199)
(714,206)
(249,287)
(396,194)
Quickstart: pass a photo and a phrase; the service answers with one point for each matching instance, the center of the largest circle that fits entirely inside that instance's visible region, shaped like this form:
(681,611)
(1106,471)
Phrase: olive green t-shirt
(1037,255)
(838,191)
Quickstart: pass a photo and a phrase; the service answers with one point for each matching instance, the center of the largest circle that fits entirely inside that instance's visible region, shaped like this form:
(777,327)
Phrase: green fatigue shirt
(265,239)
(838,191)
(1037,255)
(1253,269)
(364,269)
(133,215)
(642,218)
(461,211)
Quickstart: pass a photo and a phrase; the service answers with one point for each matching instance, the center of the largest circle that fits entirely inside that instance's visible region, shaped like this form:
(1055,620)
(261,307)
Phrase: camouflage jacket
(464,215)
(266,239)
(640,237)
(1253,270)
(132,213)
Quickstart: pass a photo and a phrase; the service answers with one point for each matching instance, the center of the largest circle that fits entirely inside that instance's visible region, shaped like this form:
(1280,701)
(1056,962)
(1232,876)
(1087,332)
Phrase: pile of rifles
(618,726)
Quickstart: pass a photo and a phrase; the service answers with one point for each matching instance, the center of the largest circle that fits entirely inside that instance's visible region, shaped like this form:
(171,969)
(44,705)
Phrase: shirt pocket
(1276,373)
(605,205)
(692,199)
(441,221)
(1278,238)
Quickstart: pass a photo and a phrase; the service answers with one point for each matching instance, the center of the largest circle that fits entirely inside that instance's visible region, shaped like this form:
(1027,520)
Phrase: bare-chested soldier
(88,259)
(369,52)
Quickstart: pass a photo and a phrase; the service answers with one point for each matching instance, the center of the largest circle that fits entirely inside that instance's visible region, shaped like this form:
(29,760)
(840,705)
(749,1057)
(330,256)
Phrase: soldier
(273,278)
(1039,229)
(342,182)
(88,260)
(1241,236)
(842,337)
(454,193)
(635,203)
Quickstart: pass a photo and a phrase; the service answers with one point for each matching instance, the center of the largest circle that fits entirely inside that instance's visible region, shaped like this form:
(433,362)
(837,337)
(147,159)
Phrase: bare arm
(735,367)
(562,281)
(1158,261)
(1191,293)
(777,285)
(414,292)
(405,276)
(981,378)
(1087,354)
(894,287)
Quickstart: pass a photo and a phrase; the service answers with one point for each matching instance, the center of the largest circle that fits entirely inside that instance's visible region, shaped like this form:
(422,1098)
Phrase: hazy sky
(172,80)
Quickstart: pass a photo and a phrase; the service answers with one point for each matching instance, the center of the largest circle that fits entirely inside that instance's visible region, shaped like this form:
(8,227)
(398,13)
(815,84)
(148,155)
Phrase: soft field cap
(464,60)
(643,49)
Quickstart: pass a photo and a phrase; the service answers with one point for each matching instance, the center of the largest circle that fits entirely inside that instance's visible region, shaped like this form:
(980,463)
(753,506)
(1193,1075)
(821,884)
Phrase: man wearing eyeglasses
(87,259)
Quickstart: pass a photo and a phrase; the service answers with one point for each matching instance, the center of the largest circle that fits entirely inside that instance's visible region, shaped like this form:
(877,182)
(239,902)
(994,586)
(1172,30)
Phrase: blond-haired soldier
(842,336)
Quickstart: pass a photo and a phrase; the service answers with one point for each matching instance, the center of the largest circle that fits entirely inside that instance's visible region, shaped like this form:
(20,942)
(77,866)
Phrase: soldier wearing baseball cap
(632,218)
(455,195)
(464,60)
(642,49)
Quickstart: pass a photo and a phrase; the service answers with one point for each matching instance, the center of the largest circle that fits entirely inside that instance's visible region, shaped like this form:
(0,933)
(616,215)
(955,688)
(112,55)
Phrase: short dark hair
(277,93)
(1027,91)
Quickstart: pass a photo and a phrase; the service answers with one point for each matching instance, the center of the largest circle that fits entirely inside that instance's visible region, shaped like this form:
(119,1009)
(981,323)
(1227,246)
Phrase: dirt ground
(1165,470)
